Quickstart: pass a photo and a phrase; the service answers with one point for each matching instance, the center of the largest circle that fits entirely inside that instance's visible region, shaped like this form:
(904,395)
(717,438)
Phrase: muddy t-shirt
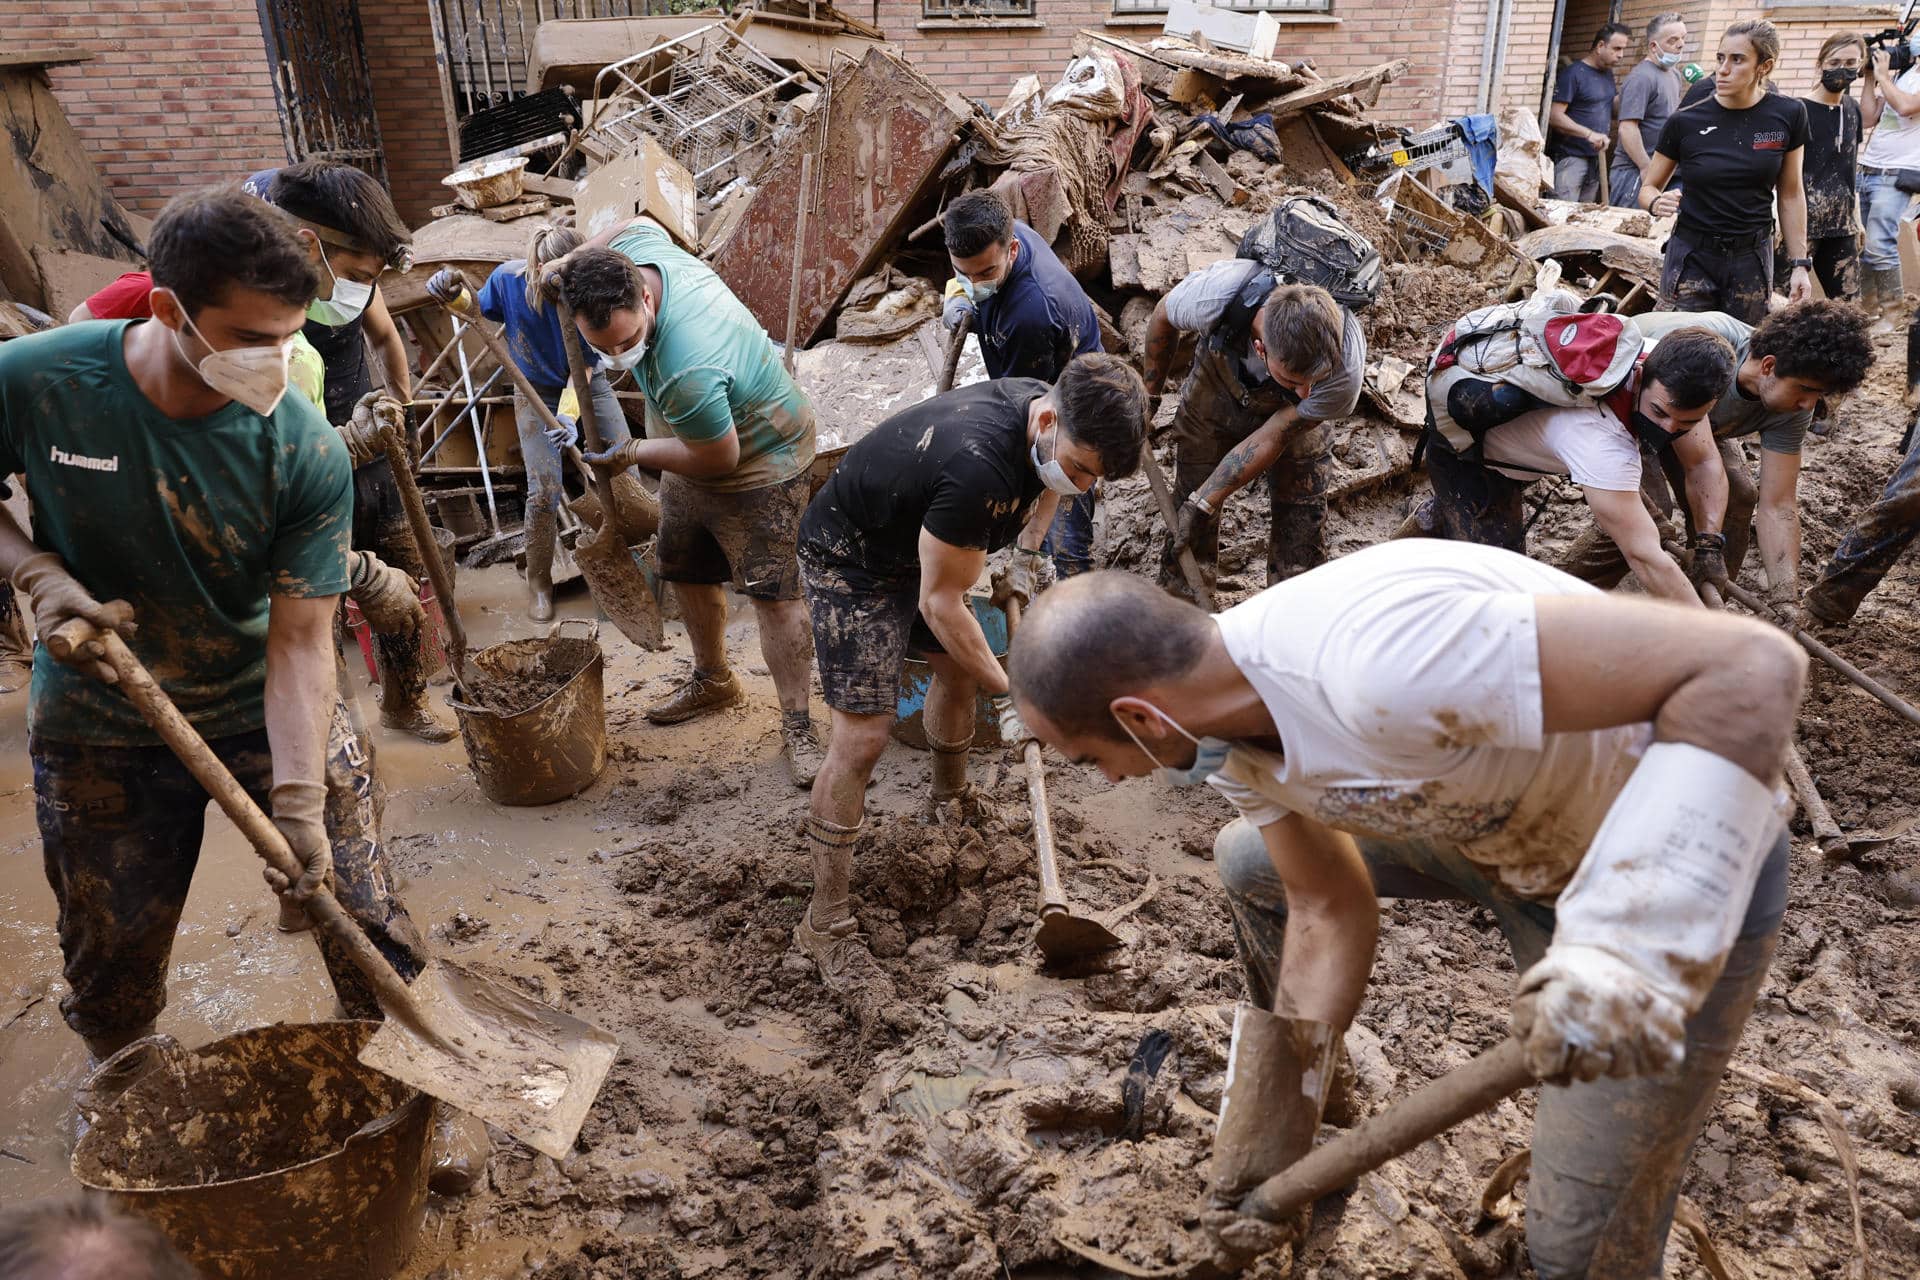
(1736,413)
(1404,683)
(1830,166)
(1731,161)
(710,369)
(195,522)
(957,465)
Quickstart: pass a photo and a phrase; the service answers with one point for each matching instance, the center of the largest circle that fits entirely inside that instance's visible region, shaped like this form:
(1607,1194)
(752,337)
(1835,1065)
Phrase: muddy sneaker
(698,694)
(849,971)
(418,722)
(461,1149)
(801,746)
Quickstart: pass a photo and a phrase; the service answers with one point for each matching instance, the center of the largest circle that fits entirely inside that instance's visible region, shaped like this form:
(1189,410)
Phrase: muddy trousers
(1069,540)
(1592,557)
(1875,542)
(1607,1156)
(1296,495)
(120,834)
(380,526)
(1703,272)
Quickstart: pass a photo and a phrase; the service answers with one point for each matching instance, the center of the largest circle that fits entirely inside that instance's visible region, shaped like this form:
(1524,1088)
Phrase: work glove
(300,813)
(566,435)
(618,458)
(374,412)
(1016,580)
(449,288)
(1710,559)
(1191,522)
(1013,730)
(1583,1013)
(956,309)
(388,598)
(59,598)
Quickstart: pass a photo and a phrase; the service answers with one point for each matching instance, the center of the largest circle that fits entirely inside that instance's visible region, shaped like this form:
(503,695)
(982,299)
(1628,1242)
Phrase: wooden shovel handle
(1052,899)
(1189,567)
(954,348)
(1887,697)
(1430,1111)
(165,718)
(589,420)
(416,509)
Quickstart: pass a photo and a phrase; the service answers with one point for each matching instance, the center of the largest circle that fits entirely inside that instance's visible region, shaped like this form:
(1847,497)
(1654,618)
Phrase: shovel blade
(619,587)
(494,1053)
(1065,937)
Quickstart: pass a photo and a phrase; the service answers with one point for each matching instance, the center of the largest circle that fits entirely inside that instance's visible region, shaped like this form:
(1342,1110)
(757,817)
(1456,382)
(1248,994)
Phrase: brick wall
(177,94)
(406,92)
(984,60)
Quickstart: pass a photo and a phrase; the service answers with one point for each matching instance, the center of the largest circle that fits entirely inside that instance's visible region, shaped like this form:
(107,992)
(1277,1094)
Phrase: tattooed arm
(1246,461)
(1162,339)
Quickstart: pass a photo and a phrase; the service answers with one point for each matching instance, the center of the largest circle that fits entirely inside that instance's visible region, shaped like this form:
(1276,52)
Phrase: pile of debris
(808,161)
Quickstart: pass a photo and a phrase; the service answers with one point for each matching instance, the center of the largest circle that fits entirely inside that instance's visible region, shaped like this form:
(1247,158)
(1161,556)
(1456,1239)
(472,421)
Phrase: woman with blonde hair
(1741,152)
(531,327)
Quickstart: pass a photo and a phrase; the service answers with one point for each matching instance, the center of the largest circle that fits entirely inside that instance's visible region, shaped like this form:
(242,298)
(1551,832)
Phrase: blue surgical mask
(344,305)
(977,292)
(1209,756)
(1052,474)
(1666,59)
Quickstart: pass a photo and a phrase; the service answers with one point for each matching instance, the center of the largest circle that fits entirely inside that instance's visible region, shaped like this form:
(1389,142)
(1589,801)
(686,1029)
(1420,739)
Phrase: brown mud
(750,1128)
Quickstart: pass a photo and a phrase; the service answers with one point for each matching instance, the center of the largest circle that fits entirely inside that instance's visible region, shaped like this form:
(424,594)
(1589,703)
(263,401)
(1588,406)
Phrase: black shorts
(709,537)
(861,638)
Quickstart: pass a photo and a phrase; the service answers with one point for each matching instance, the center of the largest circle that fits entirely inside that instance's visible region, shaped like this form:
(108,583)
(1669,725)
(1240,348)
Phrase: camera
(1893,43)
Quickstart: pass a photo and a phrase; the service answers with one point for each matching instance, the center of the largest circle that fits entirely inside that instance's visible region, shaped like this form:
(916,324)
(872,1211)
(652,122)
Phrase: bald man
(82,1238)
(1446,720)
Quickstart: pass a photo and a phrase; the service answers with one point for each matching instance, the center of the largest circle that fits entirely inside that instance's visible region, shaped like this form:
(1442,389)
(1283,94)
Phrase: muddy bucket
(267,1154)
(535,725)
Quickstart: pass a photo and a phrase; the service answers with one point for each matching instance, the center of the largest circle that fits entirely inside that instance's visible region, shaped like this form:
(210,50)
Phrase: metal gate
(484,43)
(322,82)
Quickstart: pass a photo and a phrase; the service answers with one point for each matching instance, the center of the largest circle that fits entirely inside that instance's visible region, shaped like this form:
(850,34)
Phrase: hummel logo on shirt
(83,462)
(1709,129)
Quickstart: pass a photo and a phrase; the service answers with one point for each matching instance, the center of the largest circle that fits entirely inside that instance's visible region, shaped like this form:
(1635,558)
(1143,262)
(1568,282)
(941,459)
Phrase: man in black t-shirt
(1581,117)
(888,550)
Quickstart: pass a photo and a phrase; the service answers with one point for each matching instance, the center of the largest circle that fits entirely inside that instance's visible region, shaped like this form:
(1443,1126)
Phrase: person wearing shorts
(732,436)
(889,550)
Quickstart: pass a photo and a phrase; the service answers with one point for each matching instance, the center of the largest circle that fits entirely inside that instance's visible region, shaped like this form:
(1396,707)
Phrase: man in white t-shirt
(1890,106)
(1667,400)
(1429,720)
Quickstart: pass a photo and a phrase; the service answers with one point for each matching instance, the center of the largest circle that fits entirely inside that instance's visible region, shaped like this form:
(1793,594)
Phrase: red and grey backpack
(1545,345)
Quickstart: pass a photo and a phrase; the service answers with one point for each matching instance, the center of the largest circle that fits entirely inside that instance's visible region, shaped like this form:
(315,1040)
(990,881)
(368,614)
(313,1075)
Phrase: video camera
(1894,42)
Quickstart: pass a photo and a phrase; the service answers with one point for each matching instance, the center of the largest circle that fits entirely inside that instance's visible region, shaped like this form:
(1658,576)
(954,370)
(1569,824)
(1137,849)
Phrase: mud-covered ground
(748,1129)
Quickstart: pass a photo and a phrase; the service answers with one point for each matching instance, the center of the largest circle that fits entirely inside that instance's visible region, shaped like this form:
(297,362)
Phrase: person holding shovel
(731,435)
(1424,720)
(175,480)
(888,551)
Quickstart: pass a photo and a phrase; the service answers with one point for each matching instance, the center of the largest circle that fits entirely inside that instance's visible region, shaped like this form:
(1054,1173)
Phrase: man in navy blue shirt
(1582,115)
(1031,317)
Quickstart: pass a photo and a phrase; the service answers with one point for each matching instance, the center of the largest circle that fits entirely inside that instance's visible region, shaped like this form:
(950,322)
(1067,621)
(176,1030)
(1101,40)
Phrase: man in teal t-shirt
(731,435)
(173,477)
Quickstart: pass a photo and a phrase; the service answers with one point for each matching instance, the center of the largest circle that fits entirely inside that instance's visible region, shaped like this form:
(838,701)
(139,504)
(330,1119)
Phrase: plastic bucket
(266,1154)
(556,744)
(909,711)
(433,640)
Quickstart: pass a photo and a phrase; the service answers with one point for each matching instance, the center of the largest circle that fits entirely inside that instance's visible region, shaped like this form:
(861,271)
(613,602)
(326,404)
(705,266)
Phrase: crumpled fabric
(1482,133)
(1255,134)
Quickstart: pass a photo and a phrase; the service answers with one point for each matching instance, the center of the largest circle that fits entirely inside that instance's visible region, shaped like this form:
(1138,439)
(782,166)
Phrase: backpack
(1306,241)
(1545,345)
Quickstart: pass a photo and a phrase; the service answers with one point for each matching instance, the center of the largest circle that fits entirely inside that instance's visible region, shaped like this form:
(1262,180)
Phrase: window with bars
(1125,8)
(960,9)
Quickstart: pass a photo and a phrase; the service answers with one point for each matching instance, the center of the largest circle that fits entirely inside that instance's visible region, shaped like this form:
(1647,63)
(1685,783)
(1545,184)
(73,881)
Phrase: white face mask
(1052,474)
(627,359)
(348,300)
(255,376)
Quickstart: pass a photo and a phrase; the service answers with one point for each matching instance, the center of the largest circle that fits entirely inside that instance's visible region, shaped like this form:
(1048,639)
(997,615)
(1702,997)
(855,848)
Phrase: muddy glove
(389,599)
(1016,580)
(449,288)
(58,597)
(618,458)
(1644,927)
(1191,522)
(1279,1072)
(1709,559)
(300,812)
(374,411)
(1783,605)
(1013,730)
(956,309)
(566,435)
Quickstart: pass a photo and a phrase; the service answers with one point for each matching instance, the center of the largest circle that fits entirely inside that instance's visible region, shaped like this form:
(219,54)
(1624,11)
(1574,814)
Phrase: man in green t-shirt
(173,477)
(731,435)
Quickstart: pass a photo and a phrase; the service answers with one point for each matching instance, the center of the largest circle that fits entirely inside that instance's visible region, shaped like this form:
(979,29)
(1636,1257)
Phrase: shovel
(954,348)
(1189,567)
(1064,938)
(615,581)
(429,549)
(473,1043)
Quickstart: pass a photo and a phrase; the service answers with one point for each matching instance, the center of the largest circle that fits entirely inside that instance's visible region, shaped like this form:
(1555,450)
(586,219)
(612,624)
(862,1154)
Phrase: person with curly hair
(1783,367)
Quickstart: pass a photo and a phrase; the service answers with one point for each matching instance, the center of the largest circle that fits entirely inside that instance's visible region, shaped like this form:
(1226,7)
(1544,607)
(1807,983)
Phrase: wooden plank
(1358,82)
(46,55)
(1219,179)
(1513,197)
(553,188)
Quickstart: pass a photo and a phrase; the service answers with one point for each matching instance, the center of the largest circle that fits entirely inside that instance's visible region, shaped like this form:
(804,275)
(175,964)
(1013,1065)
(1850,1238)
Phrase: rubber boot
(403,691)
(540,535)
(1888,298)
(1913,362)
(1279,1073)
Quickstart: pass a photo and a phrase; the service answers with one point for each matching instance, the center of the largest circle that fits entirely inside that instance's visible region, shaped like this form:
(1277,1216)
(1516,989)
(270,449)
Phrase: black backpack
(1306,241)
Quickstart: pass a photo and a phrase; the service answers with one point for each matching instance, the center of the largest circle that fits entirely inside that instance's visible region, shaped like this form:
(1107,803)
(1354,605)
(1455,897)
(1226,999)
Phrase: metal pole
(1553,56)
(479,441)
